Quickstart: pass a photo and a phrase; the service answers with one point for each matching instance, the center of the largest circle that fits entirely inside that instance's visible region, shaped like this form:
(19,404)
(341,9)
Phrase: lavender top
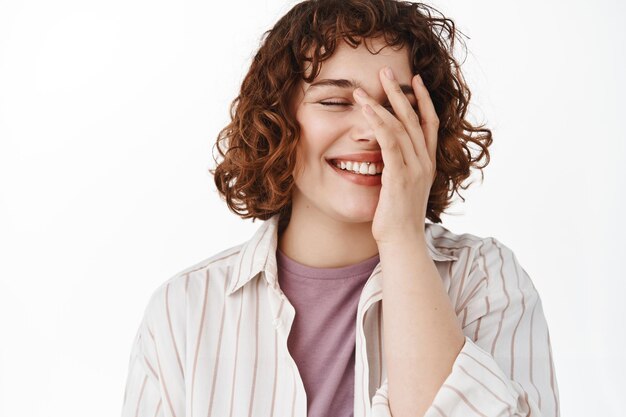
(322,337)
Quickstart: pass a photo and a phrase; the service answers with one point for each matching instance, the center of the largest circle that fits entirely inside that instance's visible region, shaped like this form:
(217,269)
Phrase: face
(330,130)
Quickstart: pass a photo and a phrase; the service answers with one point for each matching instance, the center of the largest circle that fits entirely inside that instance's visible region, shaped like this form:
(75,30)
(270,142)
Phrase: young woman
(348,134)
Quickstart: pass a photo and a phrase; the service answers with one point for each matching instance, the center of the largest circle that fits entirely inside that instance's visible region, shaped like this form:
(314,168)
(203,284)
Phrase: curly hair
(255,176)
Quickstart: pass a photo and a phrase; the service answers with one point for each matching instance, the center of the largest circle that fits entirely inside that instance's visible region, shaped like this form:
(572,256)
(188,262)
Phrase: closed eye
(333,103)
(337,103)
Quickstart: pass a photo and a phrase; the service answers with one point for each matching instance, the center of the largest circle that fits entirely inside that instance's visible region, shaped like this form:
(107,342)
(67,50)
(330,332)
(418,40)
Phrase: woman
(348,133)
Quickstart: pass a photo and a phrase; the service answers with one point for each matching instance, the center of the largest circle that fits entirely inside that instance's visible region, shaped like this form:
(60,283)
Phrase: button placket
(277,322)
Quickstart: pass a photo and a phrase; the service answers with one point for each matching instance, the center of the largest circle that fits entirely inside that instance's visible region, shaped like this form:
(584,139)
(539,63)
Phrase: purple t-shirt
(322,337)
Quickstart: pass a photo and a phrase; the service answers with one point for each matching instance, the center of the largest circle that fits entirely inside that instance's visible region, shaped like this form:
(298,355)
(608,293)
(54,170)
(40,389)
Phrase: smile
(365,168)
(360,179)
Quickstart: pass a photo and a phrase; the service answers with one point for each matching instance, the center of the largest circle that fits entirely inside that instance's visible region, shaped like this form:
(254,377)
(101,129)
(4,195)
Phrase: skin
(336,215)
(345,223)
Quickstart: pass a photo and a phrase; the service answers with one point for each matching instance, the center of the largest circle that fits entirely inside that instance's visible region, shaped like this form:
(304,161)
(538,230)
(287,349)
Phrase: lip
(371,180)
(359,157)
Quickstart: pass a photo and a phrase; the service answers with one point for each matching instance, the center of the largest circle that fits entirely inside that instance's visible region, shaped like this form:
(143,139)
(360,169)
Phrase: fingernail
(389,73)
(419,78)
(360,92)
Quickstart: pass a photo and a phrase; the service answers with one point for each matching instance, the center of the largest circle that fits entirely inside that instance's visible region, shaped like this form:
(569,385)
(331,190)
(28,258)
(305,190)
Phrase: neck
(314,239)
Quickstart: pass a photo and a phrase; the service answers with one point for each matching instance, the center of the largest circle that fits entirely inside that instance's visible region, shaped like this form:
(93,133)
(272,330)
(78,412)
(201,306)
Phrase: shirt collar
(259,255)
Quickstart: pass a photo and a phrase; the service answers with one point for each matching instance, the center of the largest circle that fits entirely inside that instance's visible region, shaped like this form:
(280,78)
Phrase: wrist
(414,241)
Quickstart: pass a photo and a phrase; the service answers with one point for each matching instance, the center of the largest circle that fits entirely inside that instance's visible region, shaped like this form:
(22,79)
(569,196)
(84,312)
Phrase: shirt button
(277,323)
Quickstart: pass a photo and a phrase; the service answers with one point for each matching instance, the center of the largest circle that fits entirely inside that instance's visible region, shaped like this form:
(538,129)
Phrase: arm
(142,396)
(155,385)
(420,324)
(505,366)
(497,371)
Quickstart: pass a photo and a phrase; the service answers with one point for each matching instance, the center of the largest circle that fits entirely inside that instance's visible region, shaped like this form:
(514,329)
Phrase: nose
(361,129)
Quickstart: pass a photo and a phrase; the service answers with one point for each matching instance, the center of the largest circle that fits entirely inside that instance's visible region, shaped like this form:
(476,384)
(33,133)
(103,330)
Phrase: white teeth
(360,167)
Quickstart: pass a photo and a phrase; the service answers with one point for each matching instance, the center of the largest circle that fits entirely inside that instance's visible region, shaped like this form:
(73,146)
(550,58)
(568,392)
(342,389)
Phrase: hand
(408,145)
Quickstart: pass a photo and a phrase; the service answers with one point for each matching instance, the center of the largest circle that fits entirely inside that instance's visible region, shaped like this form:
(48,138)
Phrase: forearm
(421,333)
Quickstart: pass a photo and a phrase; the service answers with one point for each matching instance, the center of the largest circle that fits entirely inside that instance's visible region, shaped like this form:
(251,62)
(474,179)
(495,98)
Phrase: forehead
(357,64)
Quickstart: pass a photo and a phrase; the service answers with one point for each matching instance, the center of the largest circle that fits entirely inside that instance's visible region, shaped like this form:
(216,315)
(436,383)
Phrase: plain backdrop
(108,114)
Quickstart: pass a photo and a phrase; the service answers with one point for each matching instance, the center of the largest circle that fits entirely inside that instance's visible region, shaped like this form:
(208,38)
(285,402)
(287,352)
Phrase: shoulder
(480,258)
(172,297)
(458,244)
(469,246)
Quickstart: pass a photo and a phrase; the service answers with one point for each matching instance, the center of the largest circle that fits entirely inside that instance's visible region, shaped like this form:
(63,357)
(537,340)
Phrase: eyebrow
(343,83)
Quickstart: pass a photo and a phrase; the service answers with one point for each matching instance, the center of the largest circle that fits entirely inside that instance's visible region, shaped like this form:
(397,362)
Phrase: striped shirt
(213,338)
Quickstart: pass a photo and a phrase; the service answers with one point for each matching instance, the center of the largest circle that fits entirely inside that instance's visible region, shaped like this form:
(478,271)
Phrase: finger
(429,119)
(405,112)
(391,151)
(385,121)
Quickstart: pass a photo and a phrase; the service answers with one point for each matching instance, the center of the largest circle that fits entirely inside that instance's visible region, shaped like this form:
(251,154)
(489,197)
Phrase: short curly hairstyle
(255,176)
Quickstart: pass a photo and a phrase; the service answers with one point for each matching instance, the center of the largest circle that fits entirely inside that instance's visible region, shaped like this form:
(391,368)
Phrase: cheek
(313,146)
(320,132)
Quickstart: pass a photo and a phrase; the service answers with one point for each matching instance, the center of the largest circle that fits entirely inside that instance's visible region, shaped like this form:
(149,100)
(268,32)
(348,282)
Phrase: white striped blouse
(213,339)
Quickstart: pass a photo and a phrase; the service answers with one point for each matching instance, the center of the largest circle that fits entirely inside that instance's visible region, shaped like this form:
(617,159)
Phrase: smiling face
(330,130)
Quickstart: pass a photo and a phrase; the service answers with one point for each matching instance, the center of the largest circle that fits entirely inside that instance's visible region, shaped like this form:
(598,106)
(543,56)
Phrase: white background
(108,114)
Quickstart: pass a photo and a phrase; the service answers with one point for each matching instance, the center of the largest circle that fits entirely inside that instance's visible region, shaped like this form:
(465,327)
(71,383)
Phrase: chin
(358,214)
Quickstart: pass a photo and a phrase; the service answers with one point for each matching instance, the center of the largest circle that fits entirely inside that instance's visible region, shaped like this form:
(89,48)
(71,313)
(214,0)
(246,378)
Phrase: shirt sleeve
(155,384)
(505,367)
(142,396)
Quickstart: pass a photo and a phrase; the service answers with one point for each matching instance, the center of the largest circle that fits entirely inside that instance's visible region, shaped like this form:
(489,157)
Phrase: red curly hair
(255,176)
